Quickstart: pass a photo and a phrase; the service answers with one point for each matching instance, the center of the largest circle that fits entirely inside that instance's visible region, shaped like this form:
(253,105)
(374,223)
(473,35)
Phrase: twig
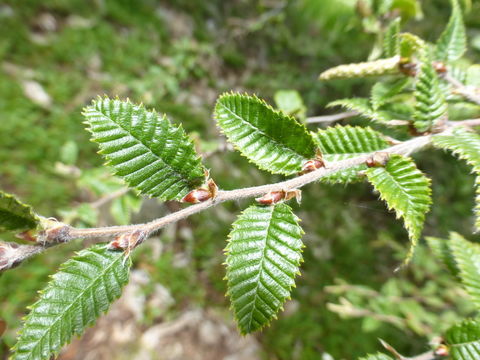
(12,254)
(470,122)
(109,197)
(429,355)
(462,89)
(331,118)
(63,233)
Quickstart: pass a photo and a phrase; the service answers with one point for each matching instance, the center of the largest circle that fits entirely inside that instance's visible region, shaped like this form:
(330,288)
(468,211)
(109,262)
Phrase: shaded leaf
(123,207)
(146,150)
(383,92)
(263,258)
(76,296)
(270,139)
(343,142)
(466,145)
(291,103)
(406,190)
(15,215)
(473,76)
(391,41)
(467,260)
(442,251)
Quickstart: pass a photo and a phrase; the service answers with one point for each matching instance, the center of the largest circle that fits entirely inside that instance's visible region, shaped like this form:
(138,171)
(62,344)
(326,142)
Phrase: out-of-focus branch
(463,90)
(331,118)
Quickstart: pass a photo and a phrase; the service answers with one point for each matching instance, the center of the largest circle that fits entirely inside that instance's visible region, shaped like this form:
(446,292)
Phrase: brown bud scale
(378,159)
(201,194)
(312,165)
(274,197)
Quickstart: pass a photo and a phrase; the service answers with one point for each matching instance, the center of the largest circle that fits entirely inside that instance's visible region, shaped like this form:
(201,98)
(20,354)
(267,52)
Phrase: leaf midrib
(254,301)
(263,133)
(187,180)
(67,309)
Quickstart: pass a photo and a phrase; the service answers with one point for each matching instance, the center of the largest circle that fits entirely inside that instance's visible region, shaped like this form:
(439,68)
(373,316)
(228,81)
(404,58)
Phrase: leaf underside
(270,139)
(146,150)
(263,258)
(466,145)
(463,340)
(14,215)
(344,142)
(406,190)
(77,295)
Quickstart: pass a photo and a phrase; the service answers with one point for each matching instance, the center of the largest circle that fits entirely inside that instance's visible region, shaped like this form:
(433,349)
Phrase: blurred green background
(177,57)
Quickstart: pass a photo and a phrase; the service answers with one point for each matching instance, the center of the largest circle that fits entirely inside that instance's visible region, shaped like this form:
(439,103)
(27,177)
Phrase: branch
(63,233)
(463,90)
(12,254)
(331,118)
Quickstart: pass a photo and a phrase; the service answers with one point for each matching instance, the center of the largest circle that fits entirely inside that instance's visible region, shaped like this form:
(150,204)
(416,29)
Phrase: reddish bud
(378,159)
(196,196)
(128,241)
(274,197)
(312,165)
(201,194)
(408,68)
(27,236)
(439,67)
(441,351)
(271,197)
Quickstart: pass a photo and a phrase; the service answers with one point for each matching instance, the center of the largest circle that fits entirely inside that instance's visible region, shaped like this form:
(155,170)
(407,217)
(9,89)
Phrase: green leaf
(463,340)
(343,142)
(81,291)
(430,100)
(270,139)
(383,92)
(146,150)
(377,356)
(452,43)
(466,145)
(467,260)
(15,215)
(123,207)
(391,41)
(365,69)
(360,105)
(473,76)
(291,103)
(410,44)
(442,251)
(405,190)
(263,257)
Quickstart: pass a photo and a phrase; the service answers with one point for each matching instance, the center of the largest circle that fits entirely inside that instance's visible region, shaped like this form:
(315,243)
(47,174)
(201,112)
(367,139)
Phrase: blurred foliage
(176,56)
